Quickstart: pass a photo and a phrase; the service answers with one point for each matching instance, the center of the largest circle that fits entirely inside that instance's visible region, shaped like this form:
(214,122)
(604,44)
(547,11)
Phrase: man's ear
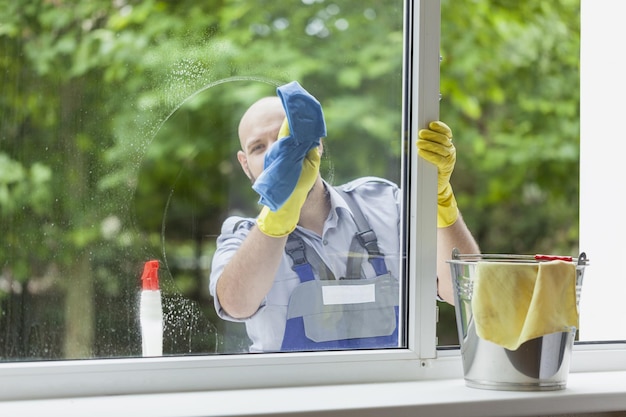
(243,161)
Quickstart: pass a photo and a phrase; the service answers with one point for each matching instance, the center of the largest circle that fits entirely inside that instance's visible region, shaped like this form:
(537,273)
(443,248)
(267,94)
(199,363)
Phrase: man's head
(258,130)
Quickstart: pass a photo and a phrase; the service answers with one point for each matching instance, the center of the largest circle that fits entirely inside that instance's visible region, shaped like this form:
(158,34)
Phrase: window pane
(118,141)
(510,92)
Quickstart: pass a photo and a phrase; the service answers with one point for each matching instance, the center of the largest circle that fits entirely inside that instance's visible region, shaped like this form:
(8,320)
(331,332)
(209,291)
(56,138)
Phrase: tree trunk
(79,310)
(77,215)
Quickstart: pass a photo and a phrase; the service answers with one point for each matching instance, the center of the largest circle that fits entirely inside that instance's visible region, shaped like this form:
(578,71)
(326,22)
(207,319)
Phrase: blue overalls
(348,313)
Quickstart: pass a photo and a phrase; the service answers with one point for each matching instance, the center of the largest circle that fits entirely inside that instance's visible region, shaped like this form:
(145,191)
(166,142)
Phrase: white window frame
(434,376)
(602,148)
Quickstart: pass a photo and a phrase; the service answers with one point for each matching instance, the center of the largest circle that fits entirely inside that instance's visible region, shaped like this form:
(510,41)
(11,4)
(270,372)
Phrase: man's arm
(435,145)
(249,275)
(457,236)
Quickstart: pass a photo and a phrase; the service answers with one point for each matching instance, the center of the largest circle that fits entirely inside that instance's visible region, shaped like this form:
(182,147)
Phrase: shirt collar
(337,205)
(338,208)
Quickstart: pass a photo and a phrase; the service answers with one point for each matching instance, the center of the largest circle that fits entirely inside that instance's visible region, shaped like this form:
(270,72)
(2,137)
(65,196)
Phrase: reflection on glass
(118,142)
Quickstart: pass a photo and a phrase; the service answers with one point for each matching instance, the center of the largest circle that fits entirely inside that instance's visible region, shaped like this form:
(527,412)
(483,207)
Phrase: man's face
(258,131)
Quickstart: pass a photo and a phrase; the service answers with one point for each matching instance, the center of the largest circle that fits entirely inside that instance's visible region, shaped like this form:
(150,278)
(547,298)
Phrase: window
(510,88)
(45,105)
(118,147)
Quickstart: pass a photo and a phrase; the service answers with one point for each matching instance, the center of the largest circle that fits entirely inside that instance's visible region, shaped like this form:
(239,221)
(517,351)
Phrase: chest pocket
(349,312)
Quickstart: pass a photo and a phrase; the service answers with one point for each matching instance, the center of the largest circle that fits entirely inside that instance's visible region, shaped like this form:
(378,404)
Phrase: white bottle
(151,311)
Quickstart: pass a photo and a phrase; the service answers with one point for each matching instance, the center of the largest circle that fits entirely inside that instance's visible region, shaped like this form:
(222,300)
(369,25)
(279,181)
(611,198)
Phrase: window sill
(586,392)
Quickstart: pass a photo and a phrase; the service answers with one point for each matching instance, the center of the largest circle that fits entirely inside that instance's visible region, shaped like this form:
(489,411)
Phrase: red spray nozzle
(150,276)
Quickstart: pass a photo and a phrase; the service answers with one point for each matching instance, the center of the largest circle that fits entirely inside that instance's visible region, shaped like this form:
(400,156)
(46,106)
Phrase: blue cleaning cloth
(283,161)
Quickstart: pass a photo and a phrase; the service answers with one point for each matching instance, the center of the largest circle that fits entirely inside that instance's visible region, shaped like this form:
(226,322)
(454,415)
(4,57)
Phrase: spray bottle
(151,311)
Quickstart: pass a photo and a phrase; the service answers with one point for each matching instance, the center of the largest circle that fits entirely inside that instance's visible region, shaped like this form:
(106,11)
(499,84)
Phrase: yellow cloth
(513,303)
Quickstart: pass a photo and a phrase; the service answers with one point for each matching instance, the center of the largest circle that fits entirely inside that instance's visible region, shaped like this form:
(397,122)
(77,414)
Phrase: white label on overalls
(348,294)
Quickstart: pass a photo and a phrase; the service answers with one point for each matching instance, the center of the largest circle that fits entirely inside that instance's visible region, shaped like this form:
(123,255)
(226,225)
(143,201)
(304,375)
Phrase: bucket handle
(581,260)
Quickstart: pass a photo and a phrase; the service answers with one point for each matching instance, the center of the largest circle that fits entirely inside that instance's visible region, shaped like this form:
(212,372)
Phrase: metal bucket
(540,364)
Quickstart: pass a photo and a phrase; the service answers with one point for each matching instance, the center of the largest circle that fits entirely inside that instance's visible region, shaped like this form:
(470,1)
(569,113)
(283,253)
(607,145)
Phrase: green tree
(510,75)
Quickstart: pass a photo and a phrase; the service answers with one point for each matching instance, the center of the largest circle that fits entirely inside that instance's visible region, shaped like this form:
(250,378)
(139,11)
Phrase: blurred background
(118,134)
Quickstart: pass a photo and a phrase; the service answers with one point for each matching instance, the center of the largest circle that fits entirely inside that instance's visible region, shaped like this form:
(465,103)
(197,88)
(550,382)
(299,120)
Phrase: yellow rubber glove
(284,220)
(435,145)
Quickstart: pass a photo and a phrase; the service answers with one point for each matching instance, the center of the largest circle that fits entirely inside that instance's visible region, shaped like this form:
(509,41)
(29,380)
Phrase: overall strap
(302,257)
(366,236)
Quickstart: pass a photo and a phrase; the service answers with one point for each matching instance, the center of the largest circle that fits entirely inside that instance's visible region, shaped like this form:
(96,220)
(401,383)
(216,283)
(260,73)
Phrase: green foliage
(118,137)
(23,189)
(510,76)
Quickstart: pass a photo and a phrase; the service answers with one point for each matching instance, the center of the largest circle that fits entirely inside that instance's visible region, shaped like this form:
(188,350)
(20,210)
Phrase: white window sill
(586,392)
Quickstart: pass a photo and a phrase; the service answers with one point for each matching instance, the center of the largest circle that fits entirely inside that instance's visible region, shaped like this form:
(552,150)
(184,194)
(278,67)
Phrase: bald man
(255,277)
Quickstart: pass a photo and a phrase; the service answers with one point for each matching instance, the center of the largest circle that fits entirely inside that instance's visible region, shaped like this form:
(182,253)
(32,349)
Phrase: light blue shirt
(380,202)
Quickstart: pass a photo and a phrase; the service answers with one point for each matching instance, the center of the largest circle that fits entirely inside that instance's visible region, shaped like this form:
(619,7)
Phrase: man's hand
(435,145)
(284,220)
